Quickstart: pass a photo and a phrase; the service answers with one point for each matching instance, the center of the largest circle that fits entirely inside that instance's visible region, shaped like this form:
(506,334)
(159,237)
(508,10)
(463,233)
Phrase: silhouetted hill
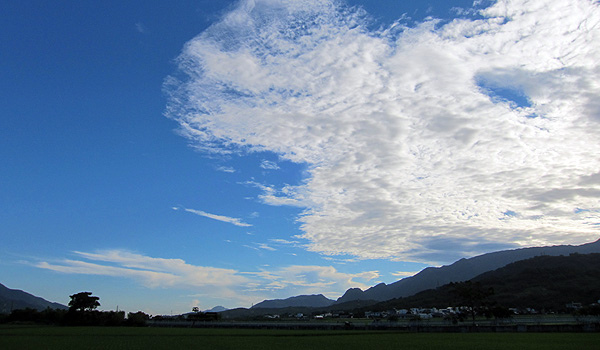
(546,281)
(462,270)
(298,301)
(217,309)
(12,299)
(355,294)
(258,313)
(543,282)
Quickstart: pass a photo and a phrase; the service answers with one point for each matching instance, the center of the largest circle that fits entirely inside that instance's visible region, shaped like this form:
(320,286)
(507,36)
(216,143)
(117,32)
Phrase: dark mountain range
(12,299)
(543,282)
(546,281)
(298,301)
(462,270)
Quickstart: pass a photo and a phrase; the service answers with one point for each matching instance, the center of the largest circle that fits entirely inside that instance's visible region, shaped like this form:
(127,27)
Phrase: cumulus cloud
(411,153)
(226,285)
(230,220)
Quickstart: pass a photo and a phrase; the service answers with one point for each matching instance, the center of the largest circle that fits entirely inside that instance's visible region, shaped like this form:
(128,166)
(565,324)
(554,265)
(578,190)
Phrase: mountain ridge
(461,270)
(13,299)
(541,282)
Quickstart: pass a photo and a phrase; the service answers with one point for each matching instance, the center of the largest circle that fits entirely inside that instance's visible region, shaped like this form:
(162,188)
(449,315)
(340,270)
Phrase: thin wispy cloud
(269,165)
(266,247)
(417,139)
(226,169)
(223,285)
(260,246)
(284,241)
(227,219)
(141,28)
(151,272)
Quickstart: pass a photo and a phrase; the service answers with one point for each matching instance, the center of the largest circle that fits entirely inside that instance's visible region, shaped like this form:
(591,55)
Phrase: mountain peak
(315,300)
(352,294)
(217,309)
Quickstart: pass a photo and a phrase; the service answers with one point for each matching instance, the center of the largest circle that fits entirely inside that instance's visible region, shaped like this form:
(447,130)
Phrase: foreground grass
(39,338)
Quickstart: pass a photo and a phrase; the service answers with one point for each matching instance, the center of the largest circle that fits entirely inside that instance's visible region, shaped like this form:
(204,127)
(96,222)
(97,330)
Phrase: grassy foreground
(38,338)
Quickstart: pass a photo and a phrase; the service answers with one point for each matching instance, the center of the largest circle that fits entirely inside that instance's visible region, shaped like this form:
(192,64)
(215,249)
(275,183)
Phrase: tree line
(82,312)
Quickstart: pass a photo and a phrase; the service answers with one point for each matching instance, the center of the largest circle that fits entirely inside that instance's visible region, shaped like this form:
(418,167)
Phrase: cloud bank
(219,285)
(423,143)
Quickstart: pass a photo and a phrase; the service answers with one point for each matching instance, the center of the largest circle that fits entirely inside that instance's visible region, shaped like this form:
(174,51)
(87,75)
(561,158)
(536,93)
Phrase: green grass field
(39,338)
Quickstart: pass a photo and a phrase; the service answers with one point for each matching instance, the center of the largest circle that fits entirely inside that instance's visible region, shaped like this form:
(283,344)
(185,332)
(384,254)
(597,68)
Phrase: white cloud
(226,169)
(340,260)
(233,221)
(284,241)
(260,246)
(279,200)
(155,272)
(215,284)
(269,165)
(288,195)
(409,158)
(326,280)
(266,247)
(403,274)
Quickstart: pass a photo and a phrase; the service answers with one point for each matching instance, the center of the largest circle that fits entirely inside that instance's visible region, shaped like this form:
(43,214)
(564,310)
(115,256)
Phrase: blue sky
(199,153)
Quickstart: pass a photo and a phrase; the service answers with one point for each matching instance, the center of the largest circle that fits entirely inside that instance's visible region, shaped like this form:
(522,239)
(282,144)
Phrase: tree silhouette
(197,314)
(83,301)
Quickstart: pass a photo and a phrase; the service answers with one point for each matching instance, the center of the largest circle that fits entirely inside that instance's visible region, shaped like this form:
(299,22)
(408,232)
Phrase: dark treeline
(74,318)
(82,312)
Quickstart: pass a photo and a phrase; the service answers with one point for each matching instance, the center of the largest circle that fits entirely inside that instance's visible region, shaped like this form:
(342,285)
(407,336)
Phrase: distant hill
(543,282)
(462,270)
(12,299)
(258,313)
(299,301)
(217,309)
